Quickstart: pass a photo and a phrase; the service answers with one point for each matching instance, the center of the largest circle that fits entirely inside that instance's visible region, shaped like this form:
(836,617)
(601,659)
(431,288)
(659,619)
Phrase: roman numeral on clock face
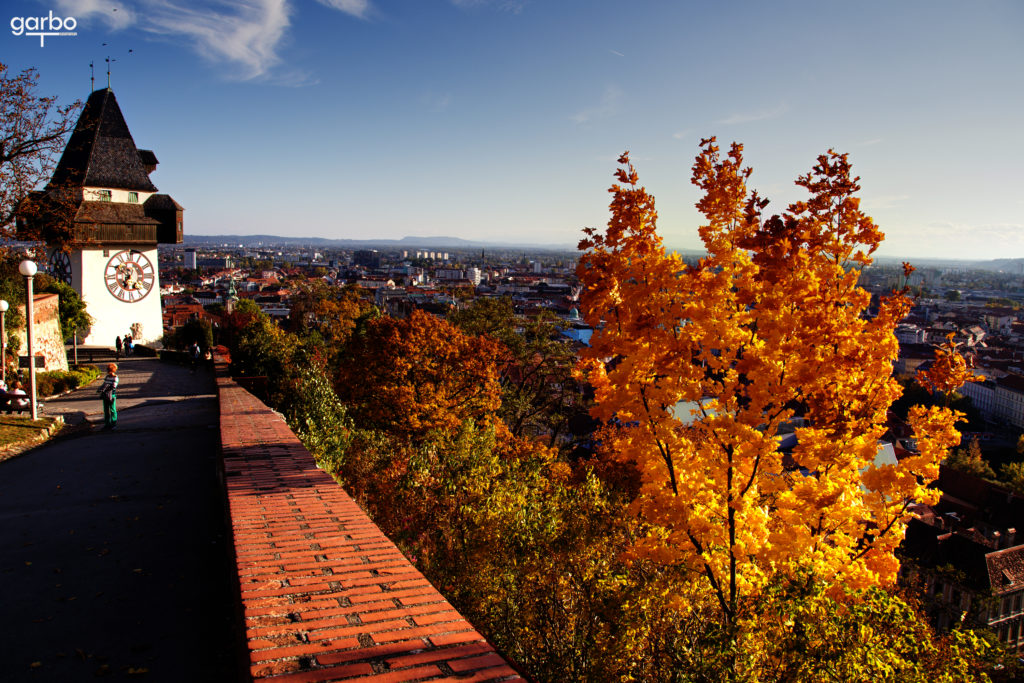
(129,276)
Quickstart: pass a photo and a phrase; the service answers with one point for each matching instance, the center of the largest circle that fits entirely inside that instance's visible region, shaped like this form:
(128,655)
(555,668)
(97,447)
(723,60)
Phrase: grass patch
(16,430)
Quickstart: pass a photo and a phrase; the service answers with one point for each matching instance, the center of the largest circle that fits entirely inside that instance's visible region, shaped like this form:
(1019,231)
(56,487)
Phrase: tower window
(133,197)
(104,195)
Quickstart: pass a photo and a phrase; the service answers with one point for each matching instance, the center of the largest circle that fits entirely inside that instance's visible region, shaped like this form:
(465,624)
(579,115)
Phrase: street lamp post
(3,342)
(28,268)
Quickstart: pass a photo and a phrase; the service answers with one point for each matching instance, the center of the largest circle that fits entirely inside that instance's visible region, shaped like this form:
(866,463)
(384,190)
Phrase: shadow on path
(115,559)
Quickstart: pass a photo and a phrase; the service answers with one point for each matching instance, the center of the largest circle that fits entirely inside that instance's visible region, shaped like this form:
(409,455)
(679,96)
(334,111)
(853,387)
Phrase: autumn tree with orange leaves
(33,130)
(330,313)
(418,375)
(698,370)
(948,372)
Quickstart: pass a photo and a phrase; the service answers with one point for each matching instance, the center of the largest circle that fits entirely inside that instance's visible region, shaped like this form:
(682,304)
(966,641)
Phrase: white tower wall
(111,316)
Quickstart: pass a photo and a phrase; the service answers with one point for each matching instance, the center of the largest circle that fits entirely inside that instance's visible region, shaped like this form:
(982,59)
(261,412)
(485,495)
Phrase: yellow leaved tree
(700,370)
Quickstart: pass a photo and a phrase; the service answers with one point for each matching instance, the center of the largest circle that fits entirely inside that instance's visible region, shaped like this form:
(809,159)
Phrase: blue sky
(502,119)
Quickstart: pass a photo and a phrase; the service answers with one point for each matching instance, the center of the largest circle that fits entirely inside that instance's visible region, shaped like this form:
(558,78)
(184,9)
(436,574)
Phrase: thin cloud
(884,201)
(971,241)
(608,105)
(868,143)
(357,8)
(991,234)
(749,117)
(682,134)
(616,53)
(245,34)
(114,14)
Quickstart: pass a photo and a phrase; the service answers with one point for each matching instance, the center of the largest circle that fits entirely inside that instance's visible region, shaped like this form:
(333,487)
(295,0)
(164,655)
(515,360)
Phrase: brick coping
(325,595)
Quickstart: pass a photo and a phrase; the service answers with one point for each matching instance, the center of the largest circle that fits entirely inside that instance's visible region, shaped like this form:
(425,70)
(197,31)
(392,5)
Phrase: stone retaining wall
(47,338)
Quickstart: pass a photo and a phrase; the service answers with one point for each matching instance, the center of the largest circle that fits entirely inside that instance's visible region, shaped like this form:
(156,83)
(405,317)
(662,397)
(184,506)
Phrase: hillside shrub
(57,382)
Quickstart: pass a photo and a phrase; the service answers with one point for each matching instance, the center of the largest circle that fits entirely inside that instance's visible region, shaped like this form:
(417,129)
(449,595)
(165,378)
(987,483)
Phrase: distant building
(177,314)
(375,283)
(964,555)
(983,397)
(190,258)
(449,274)
(368,258)
(219,262)
(999,400)
(913,356)
(910,334)
(1009,399)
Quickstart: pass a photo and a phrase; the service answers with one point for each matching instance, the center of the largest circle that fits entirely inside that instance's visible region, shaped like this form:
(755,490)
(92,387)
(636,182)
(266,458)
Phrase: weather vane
(92,72)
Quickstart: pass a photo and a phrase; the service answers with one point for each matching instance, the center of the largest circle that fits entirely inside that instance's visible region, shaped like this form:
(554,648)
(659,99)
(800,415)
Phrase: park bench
(9,403)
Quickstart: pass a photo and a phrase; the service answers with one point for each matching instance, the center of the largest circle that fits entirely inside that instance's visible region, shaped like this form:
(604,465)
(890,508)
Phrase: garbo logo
(44,26)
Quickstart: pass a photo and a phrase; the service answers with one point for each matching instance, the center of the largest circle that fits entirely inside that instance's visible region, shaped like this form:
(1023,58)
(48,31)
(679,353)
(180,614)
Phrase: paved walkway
(114,556)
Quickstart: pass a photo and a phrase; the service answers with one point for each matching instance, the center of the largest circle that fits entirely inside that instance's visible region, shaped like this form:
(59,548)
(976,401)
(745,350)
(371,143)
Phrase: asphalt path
(113,544)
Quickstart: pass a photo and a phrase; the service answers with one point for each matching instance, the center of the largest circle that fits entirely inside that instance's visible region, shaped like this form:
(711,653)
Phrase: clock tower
(102,200)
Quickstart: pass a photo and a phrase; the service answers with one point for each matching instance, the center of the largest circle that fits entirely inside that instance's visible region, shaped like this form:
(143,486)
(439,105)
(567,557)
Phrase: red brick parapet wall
(326,596)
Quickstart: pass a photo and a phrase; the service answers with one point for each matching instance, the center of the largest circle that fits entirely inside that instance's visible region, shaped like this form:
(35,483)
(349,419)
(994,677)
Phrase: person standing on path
(117,348)
(108,391)
(194,353)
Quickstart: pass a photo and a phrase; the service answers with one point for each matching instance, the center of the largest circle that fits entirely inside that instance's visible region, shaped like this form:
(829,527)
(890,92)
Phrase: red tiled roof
(1006,569)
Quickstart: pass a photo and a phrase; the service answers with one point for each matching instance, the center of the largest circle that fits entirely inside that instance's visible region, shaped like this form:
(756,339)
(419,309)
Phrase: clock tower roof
(101,151)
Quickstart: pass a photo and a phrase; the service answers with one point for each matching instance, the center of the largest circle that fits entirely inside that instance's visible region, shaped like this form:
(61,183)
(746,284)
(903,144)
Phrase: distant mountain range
(1012,265)
(1007,265)
(410,242)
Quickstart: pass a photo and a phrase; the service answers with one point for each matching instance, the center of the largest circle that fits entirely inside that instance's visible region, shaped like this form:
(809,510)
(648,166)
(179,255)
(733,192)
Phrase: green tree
(1012,475)
(539,393)
(319,419)
(232,324)
(71,308)
(971,461)
(199,331)
(262,349)
(12,290)
(325,316)
(871,635)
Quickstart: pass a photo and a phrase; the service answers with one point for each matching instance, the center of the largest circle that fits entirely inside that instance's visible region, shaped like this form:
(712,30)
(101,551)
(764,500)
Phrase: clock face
(129,275)
(60,266)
